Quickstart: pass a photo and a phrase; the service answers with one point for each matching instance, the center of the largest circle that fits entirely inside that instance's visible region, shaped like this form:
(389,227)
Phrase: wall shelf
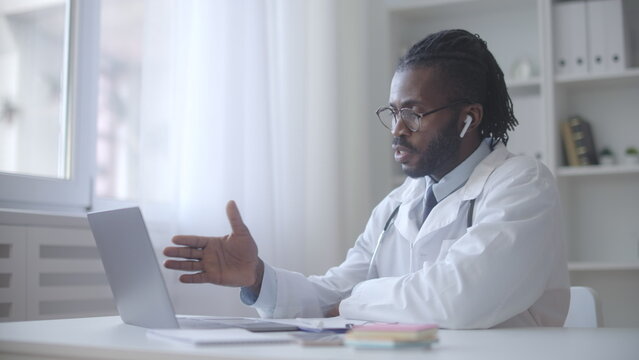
(571,171)
(602,266)
(628,75)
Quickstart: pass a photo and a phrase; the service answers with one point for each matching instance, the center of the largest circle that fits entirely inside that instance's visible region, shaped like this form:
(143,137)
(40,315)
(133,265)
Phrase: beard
(440,151)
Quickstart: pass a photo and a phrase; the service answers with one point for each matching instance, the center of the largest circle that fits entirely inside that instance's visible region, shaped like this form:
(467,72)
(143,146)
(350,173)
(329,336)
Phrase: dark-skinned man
(470,240)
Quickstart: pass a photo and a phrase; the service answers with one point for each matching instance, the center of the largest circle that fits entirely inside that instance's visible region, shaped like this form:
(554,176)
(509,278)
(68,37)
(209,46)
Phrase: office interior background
(179,106)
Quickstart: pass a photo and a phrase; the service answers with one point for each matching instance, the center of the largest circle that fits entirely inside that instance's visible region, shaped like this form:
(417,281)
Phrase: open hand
(229,260)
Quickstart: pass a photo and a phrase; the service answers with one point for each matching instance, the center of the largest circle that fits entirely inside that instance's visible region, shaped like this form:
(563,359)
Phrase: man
(470,240)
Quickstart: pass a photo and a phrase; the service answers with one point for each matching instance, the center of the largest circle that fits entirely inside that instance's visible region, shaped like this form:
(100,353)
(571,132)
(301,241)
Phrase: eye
(409,115)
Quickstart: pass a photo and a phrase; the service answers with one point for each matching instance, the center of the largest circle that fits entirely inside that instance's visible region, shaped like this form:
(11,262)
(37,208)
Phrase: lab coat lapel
(447,211)
(406,226)
(410,197)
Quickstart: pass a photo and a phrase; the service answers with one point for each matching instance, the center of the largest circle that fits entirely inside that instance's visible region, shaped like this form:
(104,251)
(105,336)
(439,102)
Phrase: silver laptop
(136,280)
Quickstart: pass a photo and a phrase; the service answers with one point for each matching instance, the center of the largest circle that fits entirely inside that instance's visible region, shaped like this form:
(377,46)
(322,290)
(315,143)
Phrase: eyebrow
(409,104)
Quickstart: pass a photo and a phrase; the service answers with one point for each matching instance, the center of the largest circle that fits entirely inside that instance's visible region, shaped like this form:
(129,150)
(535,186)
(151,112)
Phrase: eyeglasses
(388,116)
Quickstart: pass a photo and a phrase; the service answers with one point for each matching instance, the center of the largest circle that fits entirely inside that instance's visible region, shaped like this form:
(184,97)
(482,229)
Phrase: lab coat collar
(410,194)
(457,177)
(477,179)
(413,188)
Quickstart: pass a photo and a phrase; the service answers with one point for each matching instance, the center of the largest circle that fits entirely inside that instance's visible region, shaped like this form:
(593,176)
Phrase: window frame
(82,60)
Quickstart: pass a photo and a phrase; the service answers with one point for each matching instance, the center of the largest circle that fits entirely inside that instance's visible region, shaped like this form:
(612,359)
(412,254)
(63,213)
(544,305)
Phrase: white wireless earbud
(467,122)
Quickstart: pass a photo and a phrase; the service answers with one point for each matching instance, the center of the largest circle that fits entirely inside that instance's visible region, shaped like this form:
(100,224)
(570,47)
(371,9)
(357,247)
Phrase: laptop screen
(132,268)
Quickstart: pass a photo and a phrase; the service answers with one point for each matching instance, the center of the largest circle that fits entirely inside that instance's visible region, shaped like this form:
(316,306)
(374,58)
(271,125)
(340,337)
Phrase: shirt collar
(459,175)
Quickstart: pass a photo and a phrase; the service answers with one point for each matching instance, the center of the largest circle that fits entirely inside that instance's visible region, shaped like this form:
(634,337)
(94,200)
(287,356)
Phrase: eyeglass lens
(389,119)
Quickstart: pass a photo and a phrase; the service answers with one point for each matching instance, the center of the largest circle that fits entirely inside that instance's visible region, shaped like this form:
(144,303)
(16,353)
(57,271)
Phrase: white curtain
(256,101)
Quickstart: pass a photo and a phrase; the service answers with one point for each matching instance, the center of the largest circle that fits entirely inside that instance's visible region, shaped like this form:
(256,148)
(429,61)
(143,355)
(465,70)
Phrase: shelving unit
(601,203)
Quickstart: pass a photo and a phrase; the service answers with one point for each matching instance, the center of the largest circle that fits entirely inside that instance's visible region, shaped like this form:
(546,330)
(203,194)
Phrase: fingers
(189,240)
(200,277)
(235,219)
(184,265)
(183,252)
(194,278)
(187,265)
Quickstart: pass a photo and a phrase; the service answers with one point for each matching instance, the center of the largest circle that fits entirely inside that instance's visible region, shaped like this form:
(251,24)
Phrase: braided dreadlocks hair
(470,73)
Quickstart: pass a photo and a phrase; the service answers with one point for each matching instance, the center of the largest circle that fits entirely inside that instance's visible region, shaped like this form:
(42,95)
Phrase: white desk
(109,338)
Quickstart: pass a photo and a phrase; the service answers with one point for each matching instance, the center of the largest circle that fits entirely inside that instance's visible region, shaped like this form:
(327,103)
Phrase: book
(217,336)
(578,141)
(391,336)
(570,151)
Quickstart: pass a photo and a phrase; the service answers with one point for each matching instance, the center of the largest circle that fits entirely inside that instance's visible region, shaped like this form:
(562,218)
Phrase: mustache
(401,141)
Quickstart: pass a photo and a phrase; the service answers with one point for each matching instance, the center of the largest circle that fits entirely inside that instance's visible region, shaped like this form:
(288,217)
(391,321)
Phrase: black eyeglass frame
(418,115)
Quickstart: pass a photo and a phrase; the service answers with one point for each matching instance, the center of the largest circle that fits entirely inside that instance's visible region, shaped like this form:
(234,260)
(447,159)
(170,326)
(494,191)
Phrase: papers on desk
(218,336)
(359,334)
(334,324)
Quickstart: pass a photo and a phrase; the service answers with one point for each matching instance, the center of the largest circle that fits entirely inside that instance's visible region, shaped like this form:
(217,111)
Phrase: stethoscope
(389,222)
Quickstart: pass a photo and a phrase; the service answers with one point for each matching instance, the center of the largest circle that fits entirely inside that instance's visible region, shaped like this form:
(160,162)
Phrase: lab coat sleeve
(299,296)
(495,271)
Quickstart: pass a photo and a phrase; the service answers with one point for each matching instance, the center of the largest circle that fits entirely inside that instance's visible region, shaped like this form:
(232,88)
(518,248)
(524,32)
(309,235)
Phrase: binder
(571,55)
(597,57)
(616,39)
(606,36)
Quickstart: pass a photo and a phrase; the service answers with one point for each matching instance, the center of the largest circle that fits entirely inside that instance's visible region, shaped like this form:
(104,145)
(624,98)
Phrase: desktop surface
(109,338)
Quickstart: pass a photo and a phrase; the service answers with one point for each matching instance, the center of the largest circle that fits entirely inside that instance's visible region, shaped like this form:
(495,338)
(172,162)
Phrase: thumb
(235,219)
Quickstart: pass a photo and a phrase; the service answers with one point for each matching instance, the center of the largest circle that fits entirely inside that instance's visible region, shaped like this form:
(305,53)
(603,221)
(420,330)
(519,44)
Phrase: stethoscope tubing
(389,222)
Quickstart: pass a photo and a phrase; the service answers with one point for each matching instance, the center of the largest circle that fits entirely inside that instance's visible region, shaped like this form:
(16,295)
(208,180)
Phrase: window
(33,121)
(73,127)
(47,102)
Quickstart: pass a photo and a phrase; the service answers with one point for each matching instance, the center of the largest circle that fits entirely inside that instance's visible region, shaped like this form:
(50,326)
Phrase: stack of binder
(589,37)
(391,336)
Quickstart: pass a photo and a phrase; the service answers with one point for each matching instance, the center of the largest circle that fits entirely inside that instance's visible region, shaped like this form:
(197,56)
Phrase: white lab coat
(507,269)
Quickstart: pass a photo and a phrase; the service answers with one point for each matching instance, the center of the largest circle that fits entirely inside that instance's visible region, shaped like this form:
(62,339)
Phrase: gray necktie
(429,203)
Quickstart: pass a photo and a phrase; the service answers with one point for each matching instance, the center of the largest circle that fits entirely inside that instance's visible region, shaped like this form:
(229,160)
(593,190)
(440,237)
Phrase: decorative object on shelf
(521,70)
(578,141)
(606,156)
(631,156)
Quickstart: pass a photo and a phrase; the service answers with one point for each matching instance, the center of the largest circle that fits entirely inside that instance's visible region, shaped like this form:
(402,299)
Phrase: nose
(400,129)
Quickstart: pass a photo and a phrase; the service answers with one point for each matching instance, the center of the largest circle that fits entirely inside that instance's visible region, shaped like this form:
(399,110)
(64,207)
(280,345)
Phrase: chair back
(585,310)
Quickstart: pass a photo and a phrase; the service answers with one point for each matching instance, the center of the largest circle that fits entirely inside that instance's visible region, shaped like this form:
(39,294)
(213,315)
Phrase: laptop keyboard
(255,325)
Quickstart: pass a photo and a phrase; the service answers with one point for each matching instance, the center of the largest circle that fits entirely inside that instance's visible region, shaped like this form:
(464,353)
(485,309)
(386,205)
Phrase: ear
(476,113)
